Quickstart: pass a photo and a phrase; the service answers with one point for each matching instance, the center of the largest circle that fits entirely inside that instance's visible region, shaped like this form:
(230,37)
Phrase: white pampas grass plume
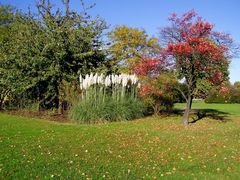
(107,81)
(80,81)
(100,79)
(123,80)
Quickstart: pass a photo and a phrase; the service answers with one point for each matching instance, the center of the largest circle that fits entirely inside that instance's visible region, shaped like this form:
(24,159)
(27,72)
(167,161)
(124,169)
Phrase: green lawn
(230,109)
(147,148)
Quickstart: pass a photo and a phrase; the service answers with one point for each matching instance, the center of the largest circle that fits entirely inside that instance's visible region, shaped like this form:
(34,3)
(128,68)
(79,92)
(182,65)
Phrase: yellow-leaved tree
(128,46)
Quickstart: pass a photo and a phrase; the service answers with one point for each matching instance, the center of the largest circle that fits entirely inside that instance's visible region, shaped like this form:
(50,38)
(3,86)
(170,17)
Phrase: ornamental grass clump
(107,98)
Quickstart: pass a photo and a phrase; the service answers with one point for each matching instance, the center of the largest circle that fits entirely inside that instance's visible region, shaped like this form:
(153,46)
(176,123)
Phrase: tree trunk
(1,102)
(38,105)
(187,110)
(38,100)
(60,106)
(60,99)
(156,109)
(1,105)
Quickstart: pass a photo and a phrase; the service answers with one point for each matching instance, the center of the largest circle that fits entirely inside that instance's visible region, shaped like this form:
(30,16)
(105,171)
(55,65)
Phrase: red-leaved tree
(197,52)
(156,83)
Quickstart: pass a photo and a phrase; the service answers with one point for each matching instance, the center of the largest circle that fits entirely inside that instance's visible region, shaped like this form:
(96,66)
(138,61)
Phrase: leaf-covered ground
(154,147)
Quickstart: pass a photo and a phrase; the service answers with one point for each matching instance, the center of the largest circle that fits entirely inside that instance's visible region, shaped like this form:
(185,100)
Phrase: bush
(157,92)
(92,110)
(231,96)
(215,97)
(107,98)
(235,95)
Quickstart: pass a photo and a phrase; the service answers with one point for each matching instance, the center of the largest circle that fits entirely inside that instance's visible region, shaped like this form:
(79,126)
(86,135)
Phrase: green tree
(51,48)
(7,15)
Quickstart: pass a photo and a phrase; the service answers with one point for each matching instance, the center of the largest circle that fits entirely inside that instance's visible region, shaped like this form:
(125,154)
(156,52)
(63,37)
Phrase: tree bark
(187,110)
(1,105)
(191,102)
(60,106)
(1,102)
(38,99)
(60,98)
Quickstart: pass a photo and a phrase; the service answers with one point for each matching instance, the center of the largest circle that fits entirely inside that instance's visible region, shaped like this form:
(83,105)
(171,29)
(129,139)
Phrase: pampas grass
(107,98)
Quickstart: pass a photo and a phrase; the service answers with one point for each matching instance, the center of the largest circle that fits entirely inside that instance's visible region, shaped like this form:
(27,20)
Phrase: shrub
(157,83)
(235,96)
(157,92)
(215,97)
(110,98)
(93,110)
(232,95)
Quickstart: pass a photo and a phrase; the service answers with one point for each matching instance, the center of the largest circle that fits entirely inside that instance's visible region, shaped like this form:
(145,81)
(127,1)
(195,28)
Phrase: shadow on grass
(199,114)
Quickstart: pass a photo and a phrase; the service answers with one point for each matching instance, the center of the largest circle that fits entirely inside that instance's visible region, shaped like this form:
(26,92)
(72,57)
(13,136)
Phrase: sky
(152,15)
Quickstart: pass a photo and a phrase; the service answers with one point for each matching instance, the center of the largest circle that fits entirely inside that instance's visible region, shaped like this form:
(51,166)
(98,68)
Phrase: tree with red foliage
(156,89)
(197,52)
(149,66)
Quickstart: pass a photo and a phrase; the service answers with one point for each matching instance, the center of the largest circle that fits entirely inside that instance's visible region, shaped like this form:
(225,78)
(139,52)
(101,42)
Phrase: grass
(108,109)
(230,109)
(153,147)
